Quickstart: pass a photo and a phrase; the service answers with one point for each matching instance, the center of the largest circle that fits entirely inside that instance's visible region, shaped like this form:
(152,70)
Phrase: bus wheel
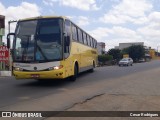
(92,69)
(74,77)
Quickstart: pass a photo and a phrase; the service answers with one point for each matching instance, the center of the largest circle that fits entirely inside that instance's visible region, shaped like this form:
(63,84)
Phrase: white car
(125,62)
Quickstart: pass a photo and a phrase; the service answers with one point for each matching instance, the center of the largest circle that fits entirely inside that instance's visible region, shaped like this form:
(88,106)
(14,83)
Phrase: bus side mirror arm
(67,40)
(8,39)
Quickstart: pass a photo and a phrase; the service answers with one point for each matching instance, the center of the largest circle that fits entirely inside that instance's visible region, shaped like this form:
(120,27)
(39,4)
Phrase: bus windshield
(38,41)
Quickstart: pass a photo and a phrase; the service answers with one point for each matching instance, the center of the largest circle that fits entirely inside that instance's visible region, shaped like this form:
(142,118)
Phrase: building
(149,53)
(152,53)
(2,27)
(126,45)
(101,48)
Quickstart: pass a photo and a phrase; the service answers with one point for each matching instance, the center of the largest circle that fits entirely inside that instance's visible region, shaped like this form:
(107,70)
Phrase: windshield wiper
(42,52)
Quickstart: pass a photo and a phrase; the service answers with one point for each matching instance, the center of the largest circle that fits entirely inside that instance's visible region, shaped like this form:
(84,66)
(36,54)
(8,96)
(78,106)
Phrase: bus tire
(92,69)
(74,77)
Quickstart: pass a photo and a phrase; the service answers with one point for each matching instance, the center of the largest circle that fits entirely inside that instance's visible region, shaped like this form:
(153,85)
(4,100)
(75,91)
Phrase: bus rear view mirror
(8,39)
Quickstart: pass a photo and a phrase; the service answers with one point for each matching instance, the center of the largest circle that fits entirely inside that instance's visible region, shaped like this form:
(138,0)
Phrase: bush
(104,58)
(109,57)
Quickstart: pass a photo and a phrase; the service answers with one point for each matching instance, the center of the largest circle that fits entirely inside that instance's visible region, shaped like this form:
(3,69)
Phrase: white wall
(5,73)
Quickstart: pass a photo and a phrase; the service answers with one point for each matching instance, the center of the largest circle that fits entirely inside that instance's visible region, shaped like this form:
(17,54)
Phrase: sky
(109,21)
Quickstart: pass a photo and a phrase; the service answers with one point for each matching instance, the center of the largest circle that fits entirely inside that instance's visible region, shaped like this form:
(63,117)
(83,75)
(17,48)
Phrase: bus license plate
(35,75)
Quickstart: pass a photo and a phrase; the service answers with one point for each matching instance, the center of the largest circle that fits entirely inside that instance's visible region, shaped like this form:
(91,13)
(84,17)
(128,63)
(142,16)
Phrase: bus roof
(43,17)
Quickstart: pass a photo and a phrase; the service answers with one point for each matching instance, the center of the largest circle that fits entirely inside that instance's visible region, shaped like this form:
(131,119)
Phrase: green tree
(109,57)
(124,51)
(136,52)
(116,53)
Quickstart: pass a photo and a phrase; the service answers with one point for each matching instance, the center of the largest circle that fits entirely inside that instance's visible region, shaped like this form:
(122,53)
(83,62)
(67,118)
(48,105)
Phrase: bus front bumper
(54,74)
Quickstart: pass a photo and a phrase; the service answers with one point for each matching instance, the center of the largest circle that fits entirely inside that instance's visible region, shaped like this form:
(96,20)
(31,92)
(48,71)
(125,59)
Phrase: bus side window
(84,38)
(80,36)
(88,41)
(74,33)
(91,42)
(67,39)
(94,43)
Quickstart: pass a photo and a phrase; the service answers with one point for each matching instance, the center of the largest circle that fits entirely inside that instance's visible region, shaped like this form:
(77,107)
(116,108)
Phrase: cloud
(123,32)
(83,21)
(151,30)
(24,10)
(154,16)
(134,8)
(140,15)
(49,2)
(100,33)
(2,9)
(128,11)
(85,5)
(115,35)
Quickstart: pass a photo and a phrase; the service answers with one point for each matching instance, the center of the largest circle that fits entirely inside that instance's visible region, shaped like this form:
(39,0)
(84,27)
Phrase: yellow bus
(51,48)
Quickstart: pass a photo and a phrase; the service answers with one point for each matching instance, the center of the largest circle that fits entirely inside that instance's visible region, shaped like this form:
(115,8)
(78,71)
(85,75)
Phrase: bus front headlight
(55,67)
(18,69)
(58,67)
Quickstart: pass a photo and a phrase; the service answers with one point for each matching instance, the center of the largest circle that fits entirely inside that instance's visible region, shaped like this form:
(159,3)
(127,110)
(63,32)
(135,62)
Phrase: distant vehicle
(125,62)
(142,60)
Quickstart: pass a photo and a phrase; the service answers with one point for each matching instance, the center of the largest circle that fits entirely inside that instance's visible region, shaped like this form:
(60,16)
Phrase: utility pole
(157,51)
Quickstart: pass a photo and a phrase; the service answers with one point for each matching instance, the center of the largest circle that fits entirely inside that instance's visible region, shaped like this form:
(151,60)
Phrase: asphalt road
(14,91)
